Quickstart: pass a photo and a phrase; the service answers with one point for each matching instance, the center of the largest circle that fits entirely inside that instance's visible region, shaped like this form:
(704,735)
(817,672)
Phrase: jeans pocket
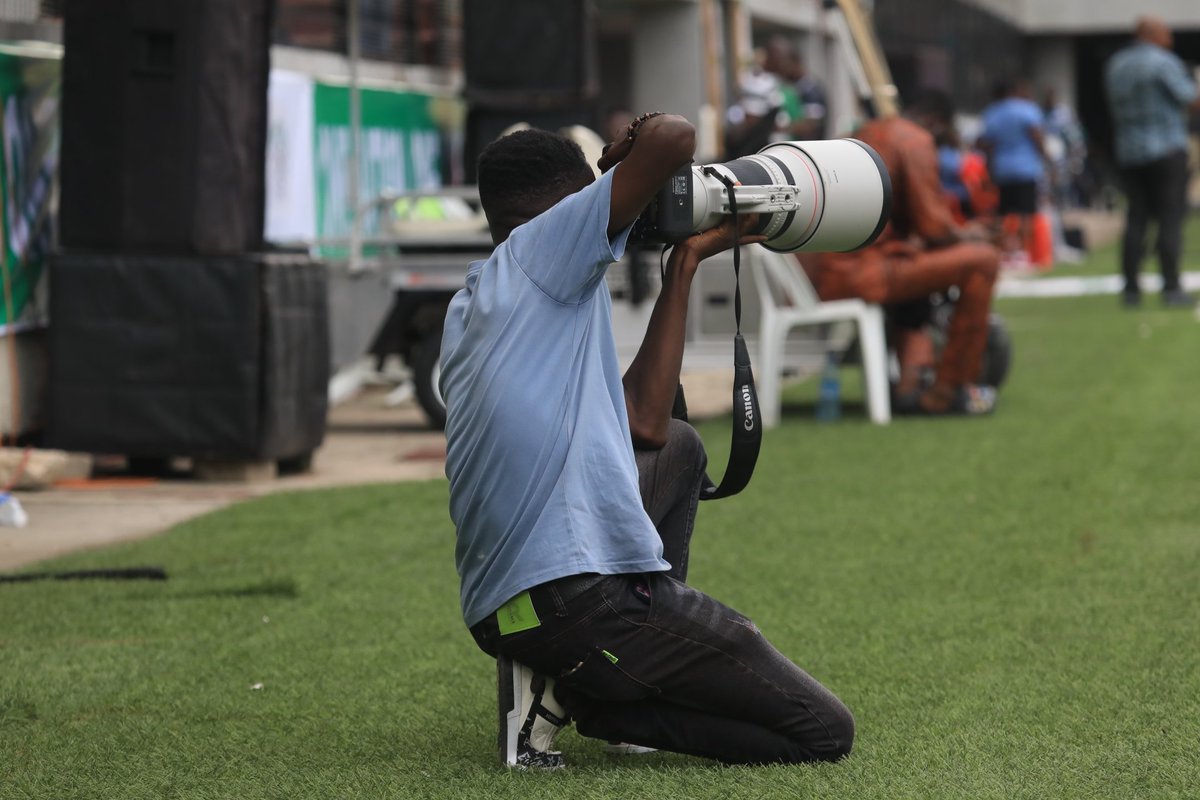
(553,647)
(629,597)
(600,677)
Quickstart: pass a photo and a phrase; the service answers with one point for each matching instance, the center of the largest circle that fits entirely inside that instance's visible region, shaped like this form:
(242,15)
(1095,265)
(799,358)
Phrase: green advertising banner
(29,116)
(399,150)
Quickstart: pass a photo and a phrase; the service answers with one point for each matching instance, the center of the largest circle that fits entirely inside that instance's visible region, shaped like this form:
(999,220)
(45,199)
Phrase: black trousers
(646,659)
(1156,190)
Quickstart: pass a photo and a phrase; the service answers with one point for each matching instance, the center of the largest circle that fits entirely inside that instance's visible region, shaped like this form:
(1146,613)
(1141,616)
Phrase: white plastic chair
(788,301)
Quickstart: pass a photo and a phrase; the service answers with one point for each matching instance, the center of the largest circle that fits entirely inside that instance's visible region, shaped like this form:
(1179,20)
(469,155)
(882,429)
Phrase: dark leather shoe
(1178,298)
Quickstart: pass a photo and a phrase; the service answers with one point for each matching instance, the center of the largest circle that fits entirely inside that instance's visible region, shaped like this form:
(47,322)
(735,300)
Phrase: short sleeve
(565,250)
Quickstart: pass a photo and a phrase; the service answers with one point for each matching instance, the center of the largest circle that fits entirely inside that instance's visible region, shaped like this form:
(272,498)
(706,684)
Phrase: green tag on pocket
(517,615)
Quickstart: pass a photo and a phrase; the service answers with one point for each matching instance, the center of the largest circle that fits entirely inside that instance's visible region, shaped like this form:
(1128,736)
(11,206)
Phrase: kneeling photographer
(574,492)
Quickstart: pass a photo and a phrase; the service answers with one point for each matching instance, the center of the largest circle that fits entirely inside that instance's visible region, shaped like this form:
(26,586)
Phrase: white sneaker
(530,717)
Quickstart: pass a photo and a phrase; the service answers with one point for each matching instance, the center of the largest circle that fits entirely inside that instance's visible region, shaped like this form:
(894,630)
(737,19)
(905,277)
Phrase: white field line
(1074,287)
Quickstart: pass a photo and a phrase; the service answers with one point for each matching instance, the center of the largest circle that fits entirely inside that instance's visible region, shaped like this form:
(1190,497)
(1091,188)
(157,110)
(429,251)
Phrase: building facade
(963,46)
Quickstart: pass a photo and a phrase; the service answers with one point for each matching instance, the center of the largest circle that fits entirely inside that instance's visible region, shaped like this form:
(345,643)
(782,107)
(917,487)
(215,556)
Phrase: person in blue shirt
(1012,139)
(573,492)
(1149,93)
(950,162)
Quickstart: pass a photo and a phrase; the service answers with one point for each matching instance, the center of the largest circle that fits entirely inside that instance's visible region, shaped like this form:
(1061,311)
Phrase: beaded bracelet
(637,123)
(631,131)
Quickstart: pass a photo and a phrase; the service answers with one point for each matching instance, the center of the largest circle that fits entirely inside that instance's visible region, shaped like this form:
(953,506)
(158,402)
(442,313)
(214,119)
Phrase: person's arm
(1039,140)
(653,377)
(922,192)
(806,128)
(656,149)
(1179,84)
(988,150)
(812,124)
(566,249)
(1035,129)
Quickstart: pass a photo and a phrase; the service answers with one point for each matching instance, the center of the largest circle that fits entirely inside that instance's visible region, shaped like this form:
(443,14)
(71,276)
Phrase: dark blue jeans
(646,659)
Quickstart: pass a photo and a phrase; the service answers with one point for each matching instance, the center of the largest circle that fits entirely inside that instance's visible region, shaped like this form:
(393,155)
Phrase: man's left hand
(615,152)
(721,238)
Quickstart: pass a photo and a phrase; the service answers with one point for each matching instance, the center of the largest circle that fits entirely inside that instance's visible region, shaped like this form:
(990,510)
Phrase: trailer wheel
(427,369)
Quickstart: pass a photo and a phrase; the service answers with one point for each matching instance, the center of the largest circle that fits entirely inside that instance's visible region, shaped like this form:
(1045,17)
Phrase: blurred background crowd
(370,101)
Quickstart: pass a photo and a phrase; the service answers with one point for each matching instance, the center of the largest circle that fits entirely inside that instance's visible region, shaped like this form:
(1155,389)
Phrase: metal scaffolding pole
(354,34)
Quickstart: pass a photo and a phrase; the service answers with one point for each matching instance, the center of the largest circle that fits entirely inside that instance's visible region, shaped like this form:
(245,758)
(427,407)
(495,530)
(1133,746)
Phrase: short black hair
(1009,85)
(519,172)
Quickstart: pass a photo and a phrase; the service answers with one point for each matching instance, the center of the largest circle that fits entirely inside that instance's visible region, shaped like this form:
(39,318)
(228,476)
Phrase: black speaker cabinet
(164,109)
(529,53)
(484,125)
(221,357)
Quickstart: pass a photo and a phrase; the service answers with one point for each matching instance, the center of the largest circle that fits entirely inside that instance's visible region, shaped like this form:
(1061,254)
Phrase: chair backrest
(781,282)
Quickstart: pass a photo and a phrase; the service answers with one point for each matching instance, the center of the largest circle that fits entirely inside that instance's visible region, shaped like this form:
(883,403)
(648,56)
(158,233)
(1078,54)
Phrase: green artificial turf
(1009,606)
(1106,259)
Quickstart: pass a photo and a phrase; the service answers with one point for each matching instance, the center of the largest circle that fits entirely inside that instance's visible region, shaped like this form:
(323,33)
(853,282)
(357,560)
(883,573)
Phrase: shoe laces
(543,723)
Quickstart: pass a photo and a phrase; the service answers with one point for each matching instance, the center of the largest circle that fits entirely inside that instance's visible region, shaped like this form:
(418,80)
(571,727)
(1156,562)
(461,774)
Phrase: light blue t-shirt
(1015,156)
(543,482)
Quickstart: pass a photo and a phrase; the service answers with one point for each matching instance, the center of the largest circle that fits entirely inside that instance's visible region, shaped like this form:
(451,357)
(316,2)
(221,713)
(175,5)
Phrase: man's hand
(661,145)
(719,239)
(615,152)
(652,378)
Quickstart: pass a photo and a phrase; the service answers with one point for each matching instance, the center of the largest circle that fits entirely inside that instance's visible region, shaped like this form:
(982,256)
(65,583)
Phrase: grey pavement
(368,442)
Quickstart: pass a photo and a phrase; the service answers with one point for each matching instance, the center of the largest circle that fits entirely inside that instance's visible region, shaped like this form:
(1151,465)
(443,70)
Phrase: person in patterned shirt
(1149,93)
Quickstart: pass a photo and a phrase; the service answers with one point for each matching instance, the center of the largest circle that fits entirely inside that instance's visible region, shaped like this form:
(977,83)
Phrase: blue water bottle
(829,400)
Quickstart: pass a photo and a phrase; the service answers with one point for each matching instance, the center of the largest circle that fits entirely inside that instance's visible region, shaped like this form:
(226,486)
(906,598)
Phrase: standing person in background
(808,113)
(752,119)
(1012,138)
(950,169)
(1066,149)
(778,100)
(1149,93)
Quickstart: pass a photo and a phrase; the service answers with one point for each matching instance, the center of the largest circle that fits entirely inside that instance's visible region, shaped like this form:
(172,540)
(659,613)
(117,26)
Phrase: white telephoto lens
(840,187)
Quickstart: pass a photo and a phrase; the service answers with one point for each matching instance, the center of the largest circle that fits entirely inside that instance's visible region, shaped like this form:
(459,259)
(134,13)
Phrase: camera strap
(746,436)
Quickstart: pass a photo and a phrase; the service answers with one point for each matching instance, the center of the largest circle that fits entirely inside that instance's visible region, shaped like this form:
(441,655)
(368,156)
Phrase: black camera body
(668,218)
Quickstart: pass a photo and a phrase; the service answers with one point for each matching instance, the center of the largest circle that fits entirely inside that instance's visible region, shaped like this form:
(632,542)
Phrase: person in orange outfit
(922,250)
